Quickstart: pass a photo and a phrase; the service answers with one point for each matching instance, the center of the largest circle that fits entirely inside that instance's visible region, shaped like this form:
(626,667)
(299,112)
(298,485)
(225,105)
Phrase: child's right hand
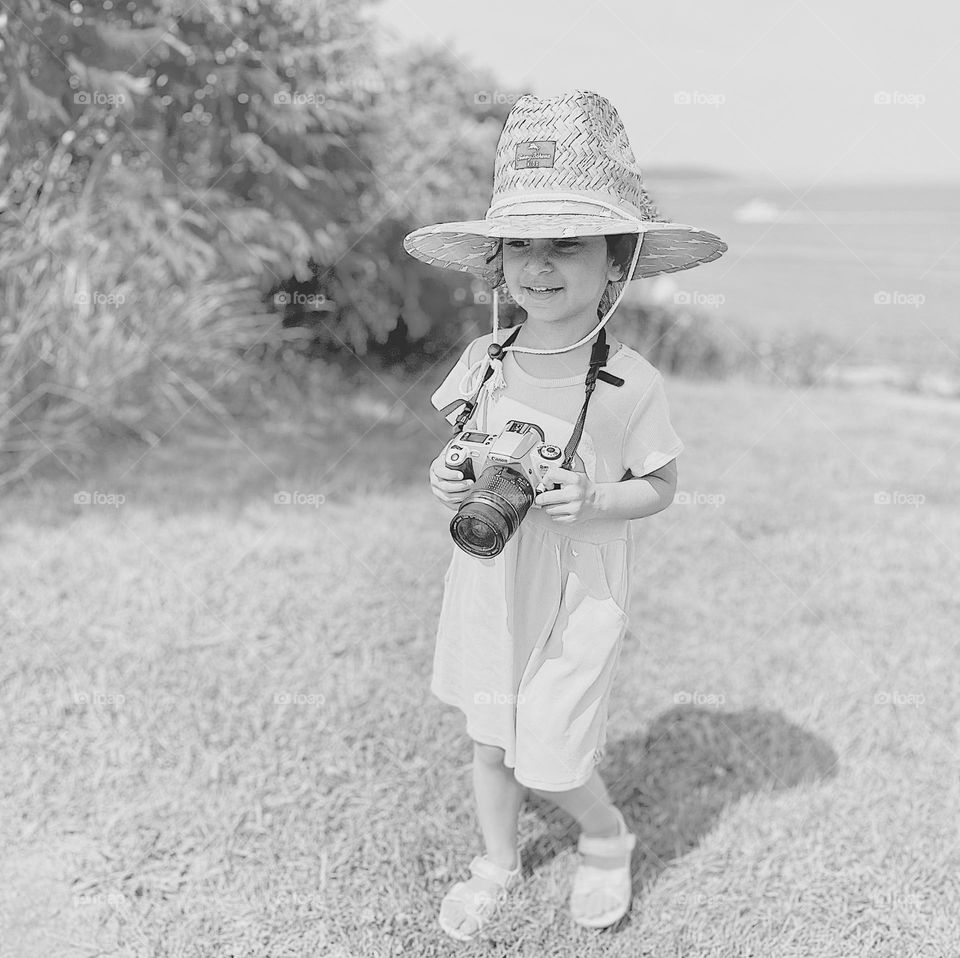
(448,485)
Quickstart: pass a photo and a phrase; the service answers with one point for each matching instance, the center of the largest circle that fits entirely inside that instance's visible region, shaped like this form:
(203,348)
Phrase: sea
(874,267)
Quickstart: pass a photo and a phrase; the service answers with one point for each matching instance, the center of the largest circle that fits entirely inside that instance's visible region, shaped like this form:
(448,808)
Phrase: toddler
(529,638)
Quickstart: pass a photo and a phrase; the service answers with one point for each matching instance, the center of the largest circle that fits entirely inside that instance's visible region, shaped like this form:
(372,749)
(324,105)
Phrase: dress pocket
(604,555)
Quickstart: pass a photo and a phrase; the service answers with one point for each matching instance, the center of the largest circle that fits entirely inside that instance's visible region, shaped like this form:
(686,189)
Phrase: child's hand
(575,501)
(447,484)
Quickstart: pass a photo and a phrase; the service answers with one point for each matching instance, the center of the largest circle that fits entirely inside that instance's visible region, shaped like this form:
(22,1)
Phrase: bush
(680,340)
(110,325)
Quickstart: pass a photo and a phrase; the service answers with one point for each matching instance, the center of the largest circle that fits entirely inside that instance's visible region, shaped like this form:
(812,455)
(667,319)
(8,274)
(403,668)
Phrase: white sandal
(615,881)
(478,905)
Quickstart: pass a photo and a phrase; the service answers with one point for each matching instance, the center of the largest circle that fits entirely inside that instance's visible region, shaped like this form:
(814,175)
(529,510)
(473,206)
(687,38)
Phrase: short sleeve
(448,392)
(649,440)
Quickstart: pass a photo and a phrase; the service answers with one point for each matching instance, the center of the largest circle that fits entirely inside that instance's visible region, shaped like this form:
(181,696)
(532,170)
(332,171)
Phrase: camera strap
(598,358)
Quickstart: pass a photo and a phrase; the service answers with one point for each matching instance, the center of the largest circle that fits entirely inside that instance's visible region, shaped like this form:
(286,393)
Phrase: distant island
(688,173)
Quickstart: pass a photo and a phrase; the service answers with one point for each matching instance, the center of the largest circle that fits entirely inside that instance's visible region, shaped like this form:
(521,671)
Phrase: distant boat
(661,289)
(757,211)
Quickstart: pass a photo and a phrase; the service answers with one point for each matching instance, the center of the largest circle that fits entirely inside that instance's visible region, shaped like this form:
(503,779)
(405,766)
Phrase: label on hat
(533,154)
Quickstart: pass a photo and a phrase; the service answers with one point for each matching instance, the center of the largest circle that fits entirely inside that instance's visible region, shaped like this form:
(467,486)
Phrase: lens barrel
(492,512)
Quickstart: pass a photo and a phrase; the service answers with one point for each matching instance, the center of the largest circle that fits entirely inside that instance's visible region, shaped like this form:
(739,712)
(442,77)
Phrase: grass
(220,738)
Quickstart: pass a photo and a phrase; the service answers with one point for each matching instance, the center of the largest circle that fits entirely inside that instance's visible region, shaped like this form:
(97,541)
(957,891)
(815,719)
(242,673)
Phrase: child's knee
(491,755)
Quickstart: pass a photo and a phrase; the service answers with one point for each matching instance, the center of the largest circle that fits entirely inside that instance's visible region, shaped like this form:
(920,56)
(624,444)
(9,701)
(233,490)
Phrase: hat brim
(471,245)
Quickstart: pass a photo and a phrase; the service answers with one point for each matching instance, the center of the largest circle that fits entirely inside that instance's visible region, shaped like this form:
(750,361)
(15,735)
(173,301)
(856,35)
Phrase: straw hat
(564,167)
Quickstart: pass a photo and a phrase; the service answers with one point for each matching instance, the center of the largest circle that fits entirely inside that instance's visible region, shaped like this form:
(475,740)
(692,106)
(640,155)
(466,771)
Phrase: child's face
(576,267)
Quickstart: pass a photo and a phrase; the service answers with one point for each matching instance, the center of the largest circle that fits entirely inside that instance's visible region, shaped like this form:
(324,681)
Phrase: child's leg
(595,901)
(590,805)
(498,797)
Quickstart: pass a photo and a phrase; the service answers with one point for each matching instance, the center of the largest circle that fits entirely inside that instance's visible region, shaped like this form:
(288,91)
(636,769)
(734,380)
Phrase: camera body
(508,469)
(520,446)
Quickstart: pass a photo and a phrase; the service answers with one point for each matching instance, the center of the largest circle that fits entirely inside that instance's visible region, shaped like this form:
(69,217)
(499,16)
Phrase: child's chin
(542,309)
(530,304)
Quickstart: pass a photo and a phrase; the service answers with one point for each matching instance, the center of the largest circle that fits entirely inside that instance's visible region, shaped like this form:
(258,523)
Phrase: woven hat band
(579,202)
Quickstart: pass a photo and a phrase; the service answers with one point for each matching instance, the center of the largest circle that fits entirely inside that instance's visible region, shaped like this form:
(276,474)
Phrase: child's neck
(557,365)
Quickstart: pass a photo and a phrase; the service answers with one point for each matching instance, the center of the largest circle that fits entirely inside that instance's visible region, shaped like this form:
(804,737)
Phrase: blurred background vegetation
(202,212)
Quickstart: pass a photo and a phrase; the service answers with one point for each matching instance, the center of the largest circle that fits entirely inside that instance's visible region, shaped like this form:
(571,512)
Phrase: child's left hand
(575,501)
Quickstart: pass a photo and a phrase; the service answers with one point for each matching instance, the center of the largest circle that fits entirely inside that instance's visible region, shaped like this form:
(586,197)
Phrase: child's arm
(648,437)
(580,499)
(637,497)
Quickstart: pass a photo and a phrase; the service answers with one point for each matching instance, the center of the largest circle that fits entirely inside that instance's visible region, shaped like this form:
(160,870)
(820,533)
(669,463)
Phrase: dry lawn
(219,739)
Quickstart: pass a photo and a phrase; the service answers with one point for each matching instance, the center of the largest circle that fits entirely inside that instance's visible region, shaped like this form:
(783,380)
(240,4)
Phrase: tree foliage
(277,133)
(253,114)
(155,155)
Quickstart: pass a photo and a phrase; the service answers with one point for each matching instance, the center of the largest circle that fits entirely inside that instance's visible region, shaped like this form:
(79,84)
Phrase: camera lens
(480,529)
(492,512)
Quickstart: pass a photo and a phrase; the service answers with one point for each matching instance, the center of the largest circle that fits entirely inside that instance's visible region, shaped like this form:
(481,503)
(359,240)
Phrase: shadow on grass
(673,784)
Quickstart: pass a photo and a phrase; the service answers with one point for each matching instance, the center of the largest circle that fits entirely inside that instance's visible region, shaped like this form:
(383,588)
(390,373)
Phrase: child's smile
(541,292)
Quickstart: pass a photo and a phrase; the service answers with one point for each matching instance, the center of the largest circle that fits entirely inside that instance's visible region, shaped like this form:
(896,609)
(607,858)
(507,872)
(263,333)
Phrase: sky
(800,91)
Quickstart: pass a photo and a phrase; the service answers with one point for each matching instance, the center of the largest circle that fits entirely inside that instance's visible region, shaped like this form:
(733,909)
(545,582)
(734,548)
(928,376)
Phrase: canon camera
(508,471)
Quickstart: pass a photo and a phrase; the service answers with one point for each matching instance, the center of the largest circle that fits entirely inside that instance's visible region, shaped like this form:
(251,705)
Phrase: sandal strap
(482,867)
(612,847)
(609,846)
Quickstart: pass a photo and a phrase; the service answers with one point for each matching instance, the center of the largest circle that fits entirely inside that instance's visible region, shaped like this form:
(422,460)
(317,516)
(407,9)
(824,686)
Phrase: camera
(508,470)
